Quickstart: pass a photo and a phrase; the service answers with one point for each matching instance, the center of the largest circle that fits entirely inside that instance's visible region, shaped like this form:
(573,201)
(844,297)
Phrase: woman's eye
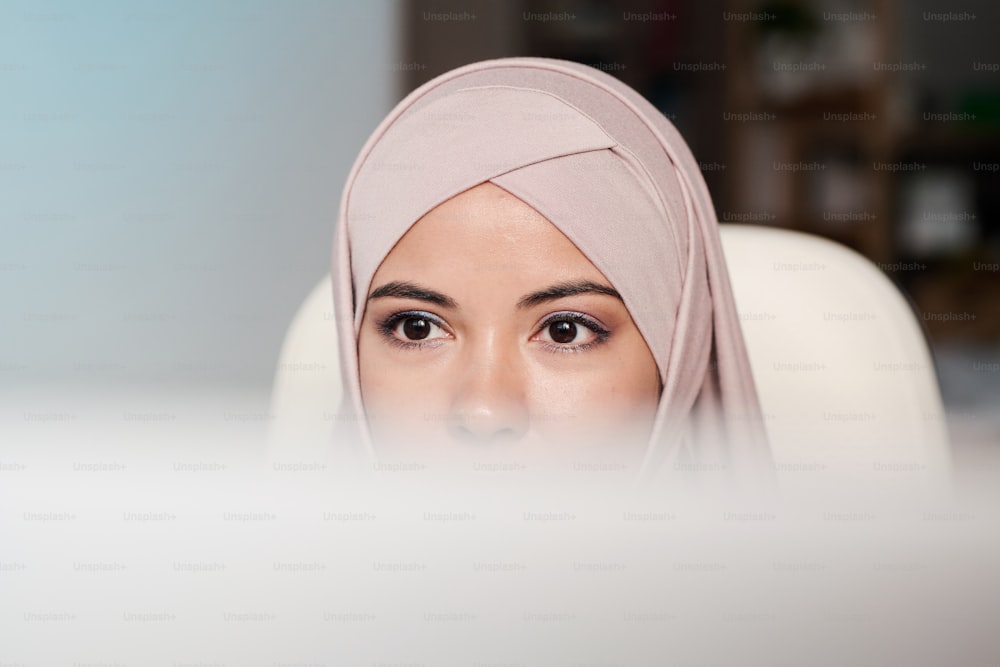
(564,331)
(416,328)
(410,330)
(572,333)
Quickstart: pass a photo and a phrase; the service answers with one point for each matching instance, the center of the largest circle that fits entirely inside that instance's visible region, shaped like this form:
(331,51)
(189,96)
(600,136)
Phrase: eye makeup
(388,325)
(577,318)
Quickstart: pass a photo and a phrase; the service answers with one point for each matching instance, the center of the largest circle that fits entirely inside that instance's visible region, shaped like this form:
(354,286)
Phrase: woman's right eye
(416,328)
(410,330)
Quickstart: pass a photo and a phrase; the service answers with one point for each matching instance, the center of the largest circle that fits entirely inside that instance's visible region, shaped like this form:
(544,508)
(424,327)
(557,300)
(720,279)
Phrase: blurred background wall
(170,171)
(169,179)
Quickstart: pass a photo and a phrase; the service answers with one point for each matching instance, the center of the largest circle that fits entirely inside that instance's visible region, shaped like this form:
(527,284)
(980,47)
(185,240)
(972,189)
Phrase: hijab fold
(610,171)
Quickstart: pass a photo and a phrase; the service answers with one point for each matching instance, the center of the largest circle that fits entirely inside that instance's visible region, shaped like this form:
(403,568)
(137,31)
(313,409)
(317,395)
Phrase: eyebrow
(407,290)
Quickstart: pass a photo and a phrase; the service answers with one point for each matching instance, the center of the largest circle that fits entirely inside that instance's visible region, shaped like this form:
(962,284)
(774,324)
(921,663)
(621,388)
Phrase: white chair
(843,370)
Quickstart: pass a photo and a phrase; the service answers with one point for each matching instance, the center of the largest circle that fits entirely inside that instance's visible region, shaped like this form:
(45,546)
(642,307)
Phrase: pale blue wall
(169,178)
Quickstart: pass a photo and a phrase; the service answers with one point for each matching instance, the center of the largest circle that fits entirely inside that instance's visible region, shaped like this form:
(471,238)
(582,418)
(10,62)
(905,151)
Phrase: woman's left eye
(572,332)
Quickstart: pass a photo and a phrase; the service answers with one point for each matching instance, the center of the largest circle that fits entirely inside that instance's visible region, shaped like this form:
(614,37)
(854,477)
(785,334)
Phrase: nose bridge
(491,358)
(490,400)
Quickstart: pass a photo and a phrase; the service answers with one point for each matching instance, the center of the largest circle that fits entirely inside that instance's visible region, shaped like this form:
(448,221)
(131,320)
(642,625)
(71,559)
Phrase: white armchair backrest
(842,366)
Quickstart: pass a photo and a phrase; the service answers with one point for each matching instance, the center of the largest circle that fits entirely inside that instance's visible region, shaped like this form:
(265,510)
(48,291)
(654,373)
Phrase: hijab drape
(612,174)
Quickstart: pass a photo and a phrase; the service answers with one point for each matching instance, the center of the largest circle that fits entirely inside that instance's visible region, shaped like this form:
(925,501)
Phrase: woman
(527,268)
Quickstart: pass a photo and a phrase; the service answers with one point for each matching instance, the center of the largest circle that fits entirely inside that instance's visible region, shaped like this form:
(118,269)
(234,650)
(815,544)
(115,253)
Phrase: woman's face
(488,335)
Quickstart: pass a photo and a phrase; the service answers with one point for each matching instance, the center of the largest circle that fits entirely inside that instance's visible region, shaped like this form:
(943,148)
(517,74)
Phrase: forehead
(485,229)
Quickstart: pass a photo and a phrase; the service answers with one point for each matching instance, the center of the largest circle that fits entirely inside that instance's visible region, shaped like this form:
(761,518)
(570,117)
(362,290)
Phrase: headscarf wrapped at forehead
(597,160)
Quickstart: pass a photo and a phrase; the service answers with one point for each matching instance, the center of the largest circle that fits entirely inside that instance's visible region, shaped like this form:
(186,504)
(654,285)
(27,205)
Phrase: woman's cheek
(569,407)
(406,410)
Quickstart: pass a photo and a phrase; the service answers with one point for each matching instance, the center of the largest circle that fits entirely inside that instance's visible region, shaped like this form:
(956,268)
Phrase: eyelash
(388,325)
(602,333)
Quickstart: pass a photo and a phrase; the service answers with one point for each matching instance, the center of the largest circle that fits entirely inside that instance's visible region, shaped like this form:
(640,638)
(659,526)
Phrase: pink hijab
(612,174)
